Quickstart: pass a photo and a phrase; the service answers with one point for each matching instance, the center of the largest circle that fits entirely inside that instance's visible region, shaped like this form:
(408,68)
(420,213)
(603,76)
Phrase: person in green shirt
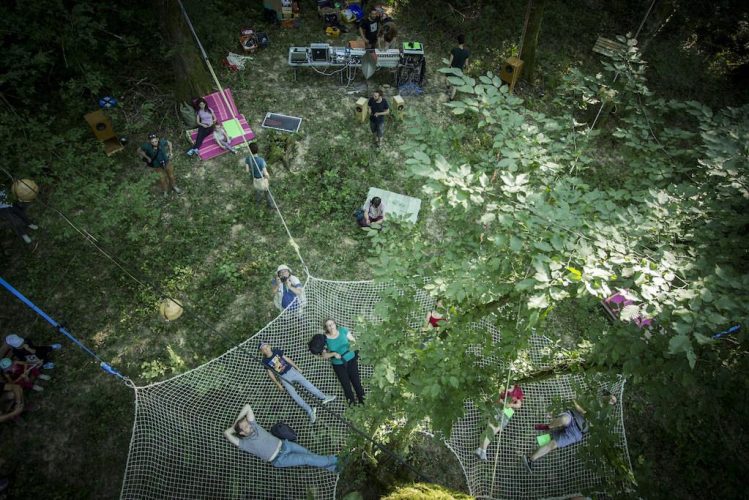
(345,362)
(156,153)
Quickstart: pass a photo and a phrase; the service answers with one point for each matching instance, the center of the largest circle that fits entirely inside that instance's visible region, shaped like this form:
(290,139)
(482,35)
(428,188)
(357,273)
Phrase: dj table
(407,64)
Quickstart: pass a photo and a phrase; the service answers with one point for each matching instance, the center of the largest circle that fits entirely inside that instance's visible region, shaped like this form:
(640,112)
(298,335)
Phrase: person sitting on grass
(374,214)
(508,403)
(566,429)
(11,401)
(23,373)
(222,139)
(282,367)
(25,350)
(247,435)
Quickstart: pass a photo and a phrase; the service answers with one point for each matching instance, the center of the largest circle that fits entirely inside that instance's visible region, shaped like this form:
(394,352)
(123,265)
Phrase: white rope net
(178,449)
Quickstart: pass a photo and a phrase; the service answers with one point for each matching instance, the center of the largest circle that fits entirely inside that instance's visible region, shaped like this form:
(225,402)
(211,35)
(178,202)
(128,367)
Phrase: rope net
(561,473)
(178,449)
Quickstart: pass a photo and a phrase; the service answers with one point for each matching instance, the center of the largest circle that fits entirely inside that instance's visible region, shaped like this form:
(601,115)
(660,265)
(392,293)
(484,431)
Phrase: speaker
(511,71)
(361,110)
(399,106)
(100,125)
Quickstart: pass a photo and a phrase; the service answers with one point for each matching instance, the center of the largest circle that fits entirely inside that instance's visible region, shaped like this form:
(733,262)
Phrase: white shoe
(481,453)
(328,399)
(177,190)
(33,227)
(313,417)
(44,377)
(37,388)
(26,238)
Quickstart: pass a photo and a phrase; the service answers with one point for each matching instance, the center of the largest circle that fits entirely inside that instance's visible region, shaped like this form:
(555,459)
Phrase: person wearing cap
(508,403)
(11,401)
(15,214)
(248,435)
(25,350)
(280,366)
(287,288)
(156,153)
(22,373)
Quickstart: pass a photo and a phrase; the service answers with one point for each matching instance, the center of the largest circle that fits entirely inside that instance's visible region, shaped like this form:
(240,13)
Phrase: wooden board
(607,47)
(282,122)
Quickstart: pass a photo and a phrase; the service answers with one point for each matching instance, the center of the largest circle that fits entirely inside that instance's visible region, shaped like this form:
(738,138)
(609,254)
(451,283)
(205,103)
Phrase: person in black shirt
(459,60)
(369,28)
(378,109)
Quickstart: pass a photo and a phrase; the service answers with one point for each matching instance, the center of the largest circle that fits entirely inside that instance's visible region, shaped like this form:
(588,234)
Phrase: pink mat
(210,148)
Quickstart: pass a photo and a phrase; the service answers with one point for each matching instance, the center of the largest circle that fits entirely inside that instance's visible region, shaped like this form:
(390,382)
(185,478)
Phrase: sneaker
(191,151)
(528,463)
(177,190)
(37,388)
(328,399)
(33,227)
(313,417)
(48,365)
(481,453)
(26,238)
(44,377)
(56,346)
(166,193)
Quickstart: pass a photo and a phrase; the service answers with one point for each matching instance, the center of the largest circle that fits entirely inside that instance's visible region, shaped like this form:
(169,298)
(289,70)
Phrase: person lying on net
(282,367)
(568,428)
(247,435)
(508,403)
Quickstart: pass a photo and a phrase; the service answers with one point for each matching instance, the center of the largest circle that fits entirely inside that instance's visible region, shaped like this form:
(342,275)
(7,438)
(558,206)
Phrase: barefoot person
(566,429)
(282,367)
(247,435)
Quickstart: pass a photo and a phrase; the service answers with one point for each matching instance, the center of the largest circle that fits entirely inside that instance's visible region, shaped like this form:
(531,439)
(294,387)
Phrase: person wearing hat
(156,153)
(282,367)
(25,350)
(22,373)
(248,435)
(287,289)
(15,214)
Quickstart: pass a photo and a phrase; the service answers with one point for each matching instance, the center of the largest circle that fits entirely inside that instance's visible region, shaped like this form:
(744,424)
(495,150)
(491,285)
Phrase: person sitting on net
(508,403)
(566,429)
(247,435)
(222,138)
(282,367)
(25,350)
(11,401)
(287,289)
(373,214)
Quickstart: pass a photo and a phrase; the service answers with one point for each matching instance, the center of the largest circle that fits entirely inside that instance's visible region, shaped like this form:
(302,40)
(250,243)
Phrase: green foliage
(424,491)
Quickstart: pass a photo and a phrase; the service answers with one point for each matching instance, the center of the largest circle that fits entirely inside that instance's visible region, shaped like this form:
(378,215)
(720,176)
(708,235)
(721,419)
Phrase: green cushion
(233,128)
(543,439)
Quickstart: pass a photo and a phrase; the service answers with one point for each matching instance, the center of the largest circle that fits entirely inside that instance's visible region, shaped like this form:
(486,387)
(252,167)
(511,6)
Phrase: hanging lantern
(25,190)
(170,309)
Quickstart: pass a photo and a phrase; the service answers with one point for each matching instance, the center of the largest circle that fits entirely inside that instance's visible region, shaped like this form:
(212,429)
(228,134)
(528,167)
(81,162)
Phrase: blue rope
(104,366)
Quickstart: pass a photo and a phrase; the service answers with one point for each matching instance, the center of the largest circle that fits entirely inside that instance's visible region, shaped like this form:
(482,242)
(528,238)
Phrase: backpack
(283,431)
(317,344)
(359,214)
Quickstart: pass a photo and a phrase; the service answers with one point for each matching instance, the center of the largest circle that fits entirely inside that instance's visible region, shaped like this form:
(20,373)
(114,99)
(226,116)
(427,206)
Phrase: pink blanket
(210,148)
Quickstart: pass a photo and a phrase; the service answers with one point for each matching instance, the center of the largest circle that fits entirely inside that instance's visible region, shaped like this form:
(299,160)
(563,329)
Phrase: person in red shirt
(508,403)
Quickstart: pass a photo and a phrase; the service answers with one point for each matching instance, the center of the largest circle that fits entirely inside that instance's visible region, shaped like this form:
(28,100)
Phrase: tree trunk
(530,37)
(192,78)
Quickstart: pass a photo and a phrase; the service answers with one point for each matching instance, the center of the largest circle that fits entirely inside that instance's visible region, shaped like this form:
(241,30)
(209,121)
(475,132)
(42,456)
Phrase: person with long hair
(345,362)
(206,119)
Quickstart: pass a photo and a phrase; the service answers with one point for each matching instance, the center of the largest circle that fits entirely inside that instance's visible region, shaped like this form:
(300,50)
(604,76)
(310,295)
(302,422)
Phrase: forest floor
(212,247)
